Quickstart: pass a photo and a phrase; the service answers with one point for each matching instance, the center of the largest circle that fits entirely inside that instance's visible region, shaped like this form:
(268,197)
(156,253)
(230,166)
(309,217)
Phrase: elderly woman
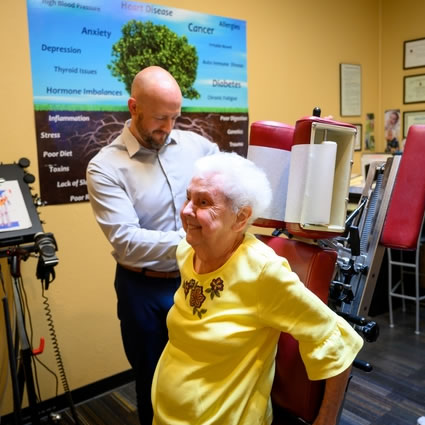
(235,299)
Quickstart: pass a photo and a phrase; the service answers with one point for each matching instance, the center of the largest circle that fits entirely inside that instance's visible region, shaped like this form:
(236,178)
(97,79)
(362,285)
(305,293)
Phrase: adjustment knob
(29,178)
(317,111)
(24,162)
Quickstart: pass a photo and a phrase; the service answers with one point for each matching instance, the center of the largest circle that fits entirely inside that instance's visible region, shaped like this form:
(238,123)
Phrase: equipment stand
(12,363)
(24,374)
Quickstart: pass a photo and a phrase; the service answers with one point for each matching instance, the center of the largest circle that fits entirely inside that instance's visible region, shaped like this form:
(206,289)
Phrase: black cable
(53,337)
(34,357)
(57,353)
(51,372)
(46,274)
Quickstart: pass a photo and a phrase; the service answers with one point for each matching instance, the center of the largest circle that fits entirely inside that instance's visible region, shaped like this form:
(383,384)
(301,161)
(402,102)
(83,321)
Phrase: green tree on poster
(146,44)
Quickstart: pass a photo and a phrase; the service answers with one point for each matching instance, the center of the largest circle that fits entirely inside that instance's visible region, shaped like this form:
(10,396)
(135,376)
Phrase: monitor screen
(19,220)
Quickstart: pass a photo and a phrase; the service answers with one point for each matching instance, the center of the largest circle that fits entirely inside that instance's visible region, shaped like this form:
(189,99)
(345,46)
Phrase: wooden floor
(392,394)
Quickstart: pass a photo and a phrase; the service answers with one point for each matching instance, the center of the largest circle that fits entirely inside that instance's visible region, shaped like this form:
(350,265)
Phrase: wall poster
(84,55)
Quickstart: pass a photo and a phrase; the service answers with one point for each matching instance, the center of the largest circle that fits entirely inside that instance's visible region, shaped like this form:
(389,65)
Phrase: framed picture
(369,132)
(410,118)
(414,89)
(350,90)
(358,140)
(414,53)
(392,130)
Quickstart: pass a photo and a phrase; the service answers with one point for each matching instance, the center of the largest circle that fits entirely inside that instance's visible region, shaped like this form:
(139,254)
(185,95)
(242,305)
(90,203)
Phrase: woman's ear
(242,218)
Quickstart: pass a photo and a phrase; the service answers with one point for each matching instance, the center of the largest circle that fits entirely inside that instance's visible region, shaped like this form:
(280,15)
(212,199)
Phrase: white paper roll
(310,185)
(296,183)
(319,184)
(275,163)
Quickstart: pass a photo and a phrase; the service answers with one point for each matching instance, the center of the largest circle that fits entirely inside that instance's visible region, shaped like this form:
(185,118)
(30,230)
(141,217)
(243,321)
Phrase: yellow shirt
(218,365)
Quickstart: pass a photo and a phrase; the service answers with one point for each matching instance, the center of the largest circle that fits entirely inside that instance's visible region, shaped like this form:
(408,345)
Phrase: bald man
(137,185)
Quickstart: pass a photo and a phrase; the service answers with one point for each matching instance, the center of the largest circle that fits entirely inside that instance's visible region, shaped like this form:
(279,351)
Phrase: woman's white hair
(243,183)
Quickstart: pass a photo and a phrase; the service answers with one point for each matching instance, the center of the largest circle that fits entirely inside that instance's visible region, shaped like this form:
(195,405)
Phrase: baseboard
(78,396)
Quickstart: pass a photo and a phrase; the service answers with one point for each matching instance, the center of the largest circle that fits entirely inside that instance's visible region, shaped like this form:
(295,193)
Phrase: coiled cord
(54,340)
(57,353)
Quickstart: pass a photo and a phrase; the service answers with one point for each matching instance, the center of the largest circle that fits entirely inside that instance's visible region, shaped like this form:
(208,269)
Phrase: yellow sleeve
(327,343)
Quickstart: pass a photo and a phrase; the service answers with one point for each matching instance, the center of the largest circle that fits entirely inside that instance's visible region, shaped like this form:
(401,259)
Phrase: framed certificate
(414,53)
(410,118)
(358,140)
(414,88)
(350,90)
